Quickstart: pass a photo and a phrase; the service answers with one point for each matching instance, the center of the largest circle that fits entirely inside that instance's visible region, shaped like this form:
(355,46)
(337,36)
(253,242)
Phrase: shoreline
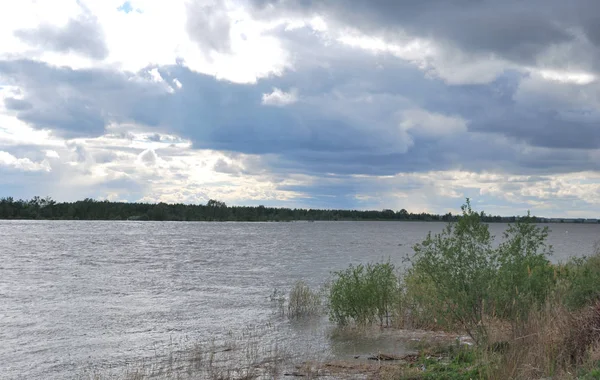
(274,221)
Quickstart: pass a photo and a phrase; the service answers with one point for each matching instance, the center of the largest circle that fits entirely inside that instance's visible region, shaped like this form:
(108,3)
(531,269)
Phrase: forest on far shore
(213,210)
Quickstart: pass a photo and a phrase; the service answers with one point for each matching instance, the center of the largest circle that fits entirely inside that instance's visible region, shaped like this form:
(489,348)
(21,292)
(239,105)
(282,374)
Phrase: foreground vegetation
(525,317)
(213,210)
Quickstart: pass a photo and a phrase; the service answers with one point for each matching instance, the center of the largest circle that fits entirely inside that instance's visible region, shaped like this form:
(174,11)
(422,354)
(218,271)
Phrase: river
(79,294)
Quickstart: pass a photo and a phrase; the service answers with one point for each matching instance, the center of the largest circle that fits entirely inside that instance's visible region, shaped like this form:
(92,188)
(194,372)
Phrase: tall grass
(303,301)
(557,343)
(300,302)
(580,280)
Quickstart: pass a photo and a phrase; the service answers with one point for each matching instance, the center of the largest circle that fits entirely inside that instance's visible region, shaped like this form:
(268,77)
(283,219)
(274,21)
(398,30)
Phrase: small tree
(525,276)
(461,264)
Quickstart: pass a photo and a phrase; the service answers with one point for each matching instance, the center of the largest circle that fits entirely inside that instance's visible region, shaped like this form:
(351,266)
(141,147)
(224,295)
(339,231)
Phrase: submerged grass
(303,301)
(243,356)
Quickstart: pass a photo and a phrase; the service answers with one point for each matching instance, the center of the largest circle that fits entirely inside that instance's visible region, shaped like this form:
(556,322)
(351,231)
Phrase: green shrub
(303,301)
(472,281)
(363,294)
(461,264)
(592,374)
(582,281)
(419,306)
(525,277)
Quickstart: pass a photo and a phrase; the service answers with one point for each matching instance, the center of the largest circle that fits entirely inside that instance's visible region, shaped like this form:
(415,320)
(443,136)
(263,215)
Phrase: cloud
(518,31)
(410,123)
(24,164)
(460,41)
(14,104)
(82,35)
(209,24)
(52,154)
(279,98)
(71,102)
(319,104)
(423,123)
(223,166)
(148,157)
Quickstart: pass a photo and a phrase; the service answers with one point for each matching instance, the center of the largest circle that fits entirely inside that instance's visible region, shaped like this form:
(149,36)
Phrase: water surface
(77,293)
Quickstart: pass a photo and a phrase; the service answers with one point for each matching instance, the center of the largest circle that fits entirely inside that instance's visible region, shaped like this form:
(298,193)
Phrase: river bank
(558,341)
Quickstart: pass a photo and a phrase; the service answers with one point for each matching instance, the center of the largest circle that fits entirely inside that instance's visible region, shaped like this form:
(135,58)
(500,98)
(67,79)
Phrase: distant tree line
(213,210)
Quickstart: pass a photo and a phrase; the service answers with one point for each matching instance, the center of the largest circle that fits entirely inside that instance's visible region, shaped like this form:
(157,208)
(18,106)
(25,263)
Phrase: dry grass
(553,343)
(583,334)
(532,354)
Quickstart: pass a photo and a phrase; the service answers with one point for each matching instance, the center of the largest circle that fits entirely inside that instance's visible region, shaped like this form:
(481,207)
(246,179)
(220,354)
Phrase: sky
(354,104)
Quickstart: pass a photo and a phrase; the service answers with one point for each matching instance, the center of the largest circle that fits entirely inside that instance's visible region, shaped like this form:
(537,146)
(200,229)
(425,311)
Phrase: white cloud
(155,76)
(148,157)
(52,154)
(280,98)
(505,194)
(423,123)
(156,35)
(252,53)
(148,166)
(24,164)
(564,76)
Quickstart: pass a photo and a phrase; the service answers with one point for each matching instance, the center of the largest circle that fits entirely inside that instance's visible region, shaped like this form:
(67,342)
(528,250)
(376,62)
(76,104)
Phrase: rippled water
(77,294)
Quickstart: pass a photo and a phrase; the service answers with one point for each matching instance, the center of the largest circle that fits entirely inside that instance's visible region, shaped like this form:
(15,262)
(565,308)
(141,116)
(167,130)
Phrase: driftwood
(385,357)
(221,351)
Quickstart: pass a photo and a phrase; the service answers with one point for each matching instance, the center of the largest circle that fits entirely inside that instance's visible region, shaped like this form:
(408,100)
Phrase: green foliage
(461,264)
(303,301)
(363,294)
(525,276)
(469,281)
(456,363)
(582,281)
(419,306)
(592,374)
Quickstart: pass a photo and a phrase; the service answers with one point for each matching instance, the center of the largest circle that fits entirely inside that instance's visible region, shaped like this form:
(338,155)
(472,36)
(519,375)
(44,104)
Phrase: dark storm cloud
(82,35)
(71,103)
(14,104)
(515,30)
(544,129)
